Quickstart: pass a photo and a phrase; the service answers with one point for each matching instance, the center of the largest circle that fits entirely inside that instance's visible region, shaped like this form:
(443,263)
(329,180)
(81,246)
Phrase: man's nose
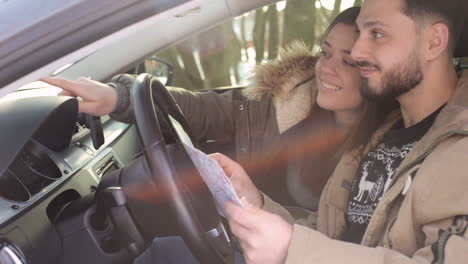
(360,50)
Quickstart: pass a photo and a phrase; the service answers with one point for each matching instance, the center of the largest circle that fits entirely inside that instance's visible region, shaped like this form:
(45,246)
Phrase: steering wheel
(196,215)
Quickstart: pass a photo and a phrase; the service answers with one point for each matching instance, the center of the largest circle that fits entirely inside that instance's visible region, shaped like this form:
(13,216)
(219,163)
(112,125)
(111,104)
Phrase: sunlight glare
(329,4)
(281,5)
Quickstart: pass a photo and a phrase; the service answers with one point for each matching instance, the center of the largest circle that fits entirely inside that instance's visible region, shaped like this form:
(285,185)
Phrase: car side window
(224,55)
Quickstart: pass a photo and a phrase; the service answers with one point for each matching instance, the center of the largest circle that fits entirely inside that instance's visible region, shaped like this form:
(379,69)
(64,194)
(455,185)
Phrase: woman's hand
(98,98)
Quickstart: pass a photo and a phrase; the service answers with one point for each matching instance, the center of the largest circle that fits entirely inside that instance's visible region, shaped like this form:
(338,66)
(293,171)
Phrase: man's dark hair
(452,13)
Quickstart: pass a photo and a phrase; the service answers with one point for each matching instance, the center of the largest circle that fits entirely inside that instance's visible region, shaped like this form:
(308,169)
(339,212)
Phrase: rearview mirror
(161,69)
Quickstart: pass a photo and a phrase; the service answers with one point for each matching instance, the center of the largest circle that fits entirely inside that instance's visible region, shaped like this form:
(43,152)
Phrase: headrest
(461,50)
(462,47)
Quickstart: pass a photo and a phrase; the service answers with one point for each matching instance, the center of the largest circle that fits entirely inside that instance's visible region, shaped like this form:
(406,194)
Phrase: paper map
(219,184)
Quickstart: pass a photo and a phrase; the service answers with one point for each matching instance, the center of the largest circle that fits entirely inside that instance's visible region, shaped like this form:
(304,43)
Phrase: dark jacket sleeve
(208,114)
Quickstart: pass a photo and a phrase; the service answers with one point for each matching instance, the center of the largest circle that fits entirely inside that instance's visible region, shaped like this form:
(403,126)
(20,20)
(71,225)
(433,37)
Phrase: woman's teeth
(330,86)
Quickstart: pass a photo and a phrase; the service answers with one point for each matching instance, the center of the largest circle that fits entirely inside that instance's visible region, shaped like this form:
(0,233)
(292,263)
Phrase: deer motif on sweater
(364,185)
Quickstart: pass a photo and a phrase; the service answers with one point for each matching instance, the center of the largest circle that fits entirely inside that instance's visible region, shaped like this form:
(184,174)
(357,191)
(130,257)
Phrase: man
(404,197)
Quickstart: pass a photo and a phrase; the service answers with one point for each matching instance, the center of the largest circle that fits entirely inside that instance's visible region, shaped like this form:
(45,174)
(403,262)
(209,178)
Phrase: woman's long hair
(347,17)
(373,113)
(372,117)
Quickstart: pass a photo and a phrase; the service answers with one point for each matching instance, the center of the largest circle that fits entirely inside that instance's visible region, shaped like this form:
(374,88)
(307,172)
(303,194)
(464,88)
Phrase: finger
(86,80)
(83,106)
(222,159)
(239,231)
(67,85)
(249,216)
(234,211)
(246,202)
(228,165)
(239,215)
(66,93)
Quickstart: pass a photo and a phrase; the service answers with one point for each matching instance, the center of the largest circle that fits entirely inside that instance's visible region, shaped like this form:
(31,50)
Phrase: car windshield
(224,56)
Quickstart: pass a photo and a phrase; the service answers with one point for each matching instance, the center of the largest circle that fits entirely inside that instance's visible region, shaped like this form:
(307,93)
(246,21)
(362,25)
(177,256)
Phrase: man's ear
(437,40)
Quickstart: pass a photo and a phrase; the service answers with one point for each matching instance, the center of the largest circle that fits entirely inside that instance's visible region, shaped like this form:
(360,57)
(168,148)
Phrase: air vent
(12,189)
(30,172)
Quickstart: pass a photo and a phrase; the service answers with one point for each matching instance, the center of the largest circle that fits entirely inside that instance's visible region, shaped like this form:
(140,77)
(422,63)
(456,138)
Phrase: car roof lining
(66,33)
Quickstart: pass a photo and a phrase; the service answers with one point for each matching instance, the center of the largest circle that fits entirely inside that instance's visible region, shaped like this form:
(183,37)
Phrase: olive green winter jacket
(253,120)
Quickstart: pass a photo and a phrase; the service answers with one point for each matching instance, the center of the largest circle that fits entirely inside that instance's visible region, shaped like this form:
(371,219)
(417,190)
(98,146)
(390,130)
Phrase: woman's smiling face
(338,78)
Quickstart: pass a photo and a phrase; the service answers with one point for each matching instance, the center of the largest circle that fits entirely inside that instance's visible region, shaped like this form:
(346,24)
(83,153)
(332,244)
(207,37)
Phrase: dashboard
(47,162)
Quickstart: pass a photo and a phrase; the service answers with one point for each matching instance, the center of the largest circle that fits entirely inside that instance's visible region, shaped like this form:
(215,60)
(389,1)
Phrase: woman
(285,128)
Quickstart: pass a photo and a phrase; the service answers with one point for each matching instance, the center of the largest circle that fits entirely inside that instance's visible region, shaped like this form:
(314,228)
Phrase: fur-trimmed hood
(289,80)
(294,65)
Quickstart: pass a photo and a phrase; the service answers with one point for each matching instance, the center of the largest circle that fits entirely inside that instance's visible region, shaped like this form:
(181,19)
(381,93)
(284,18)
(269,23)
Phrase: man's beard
(397,81)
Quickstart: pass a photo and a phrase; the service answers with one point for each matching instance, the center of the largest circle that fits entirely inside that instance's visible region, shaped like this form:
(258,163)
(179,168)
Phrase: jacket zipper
(457,228)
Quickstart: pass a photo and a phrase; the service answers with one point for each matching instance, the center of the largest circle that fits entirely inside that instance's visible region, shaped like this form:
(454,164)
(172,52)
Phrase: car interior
(81,189)
(63,184)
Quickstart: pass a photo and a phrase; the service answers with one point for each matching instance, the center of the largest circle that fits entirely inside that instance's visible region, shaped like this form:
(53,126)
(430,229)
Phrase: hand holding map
(218,183)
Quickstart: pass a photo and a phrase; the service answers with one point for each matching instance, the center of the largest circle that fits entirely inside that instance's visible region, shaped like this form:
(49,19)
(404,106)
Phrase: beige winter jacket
(422,218)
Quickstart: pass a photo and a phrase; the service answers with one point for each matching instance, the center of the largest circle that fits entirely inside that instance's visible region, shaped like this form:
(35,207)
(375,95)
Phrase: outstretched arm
(97,98)
(209,114)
